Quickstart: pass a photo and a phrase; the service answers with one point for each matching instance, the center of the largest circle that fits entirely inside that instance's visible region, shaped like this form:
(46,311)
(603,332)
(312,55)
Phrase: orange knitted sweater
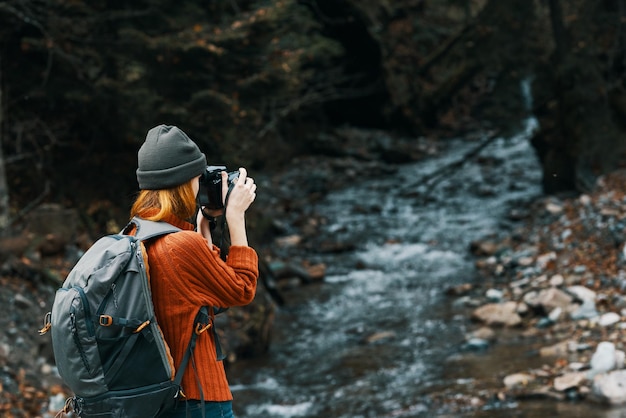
(186,274)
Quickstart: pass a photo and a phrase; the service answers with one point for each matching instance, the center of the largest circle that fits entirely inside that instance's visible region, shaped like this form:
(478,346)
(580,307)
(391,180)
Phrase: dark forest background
(256,83)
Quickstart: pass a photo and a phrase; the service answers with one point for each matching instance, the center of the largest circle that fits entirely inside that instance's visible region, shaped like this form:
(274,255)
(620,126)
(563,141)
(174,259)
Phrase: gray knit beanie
(168,158)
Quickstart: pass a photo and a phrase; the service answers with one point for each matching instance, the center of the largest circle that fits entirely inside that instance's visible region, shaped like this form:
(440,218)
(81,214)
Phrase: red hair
(179,201)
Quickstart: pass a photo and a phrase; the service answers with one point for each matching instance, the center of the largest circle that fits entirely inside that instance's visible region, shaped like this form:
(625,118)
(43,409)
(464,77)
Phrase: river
(379,337)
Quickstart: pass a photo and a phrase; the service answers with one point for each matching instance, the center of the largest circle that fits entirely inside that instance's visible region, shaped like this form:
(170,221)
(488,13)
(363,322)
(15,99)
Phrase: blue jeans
(211,409)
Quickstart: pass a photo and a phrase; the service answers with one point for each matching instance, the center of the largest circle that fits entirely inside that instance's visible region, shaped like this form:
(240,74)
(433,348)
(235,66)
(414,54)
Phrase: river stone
(484,333)
(559,349)
(603,359)
(608,319)
(585,199)
(475,344)
(545,259)
(555,314)
(518,379)
(583,293)
(620,358)
(610,387)
(557,280)
(586,311)
(494,295)
(554,208)
(569,380)
(550,298)
(499,314)
(378,336)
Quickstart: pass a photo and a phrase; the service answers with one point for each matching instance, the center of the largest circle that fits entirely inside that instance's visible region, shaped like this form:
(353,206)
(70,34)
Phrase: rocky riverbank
(556,285)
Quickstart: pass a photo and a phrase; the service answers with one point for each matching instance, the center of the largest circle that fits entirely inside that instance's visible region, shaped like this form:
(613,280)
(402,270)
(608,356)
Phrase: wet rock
(483,248)
(494,295)
(475,344)
(569,380)
(604,359)
(608,319)
(525,261)
(5,350)
(378,337)
(498,314)
(520,283)
(582,293)
(289,241)
(555,350)
(610,387)
(518,379)
(585,311)
(554,208)
(545,322)
(484,333)
(522,309)
(459,290)
(555,314)
(544,260)
(620,359)
(557,280)
(316,271)
(548,299)
(585,199)
(576,366)
(479,340)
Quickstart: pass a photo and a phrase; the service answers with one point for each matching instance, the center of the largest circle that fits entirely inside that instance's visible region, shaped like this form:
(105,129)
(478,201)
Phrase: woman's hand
(242,194)
(204,226)
(239,200)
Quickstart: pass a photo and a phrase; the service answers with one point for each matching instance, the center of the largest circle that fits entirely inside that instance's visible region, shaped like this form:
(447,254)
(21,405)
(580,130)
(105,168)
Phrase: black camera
(210,195)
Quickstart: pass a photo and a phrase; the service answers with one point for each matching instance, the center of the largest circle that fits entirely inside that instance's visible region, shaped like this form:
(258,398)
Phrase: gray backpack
(107,344)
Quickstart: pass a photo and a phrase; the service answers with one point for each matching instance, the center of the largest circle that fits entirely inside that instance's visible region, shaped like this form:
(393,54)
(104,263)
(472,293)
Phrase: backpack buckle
(47,324)
(142,326)
(106,320)
(200,328)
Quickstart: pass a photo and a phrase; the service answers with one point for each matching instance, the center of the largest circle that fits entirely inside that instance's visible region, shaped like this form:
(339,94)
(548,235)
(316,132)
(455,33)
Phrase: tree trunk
(555,152)
(4,190)
(558,30)
(579,138)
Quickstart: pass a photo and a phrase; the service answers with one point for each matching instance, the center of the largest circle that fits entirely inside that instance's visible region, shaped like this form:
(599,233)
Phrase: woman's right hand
(242,194)
(240,198)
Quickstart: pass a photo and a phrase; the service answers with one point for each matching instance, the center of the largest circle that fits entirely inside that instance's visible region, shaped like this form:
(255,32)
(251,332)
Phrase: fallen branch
(32,205)
(431,180)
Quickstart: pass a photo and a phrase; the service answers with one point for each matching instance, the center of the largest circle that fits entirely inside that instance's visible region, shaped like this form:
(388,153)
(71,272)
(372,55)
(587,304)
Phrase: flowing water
(379,338)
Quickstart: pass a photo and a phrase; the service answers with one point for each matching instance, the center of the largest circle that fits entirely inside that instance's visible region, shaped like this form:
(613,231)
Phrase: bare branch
(431,180)
(32,205)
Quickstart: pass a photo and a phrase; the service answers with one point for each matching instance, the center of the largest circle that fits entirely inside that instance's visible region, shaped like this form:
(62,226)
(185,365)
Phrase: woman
(185,268)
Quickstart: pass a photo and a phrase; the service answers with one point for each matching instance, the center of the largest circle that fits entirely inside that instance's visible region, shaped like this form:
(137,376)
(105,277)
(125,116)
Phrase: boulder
(569,380)
(610,387)
(498,314)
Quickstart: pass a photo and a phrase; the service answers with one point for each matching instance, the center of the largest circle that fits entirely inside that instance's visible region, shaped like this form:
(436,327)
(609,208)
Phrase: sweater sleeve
(208,279)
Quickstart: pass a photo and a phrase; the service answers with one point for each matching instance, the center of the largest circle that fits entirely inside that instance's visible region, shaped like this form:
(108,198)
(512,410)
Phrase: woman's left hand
(204,226)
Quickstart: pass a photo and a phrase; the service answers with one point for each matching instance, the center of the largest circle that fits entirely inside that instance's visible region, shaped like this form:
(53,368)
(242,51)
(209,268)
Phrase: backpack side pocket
(74,343)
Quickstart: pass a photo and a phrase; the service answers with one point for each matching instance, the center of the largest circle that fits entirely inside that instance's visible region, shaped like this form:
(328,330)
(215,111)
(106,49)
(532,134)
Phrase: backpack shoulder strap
(149,229)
